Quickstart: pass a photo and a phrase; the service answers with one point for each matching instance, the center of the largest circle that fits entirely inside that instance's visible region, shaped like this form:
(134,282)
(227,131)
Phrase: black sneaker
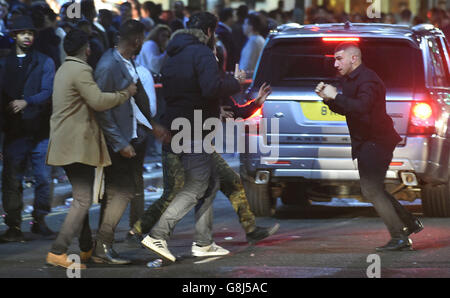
(261,233)
(40,227)
(133,240)
(13,234)
(415,227)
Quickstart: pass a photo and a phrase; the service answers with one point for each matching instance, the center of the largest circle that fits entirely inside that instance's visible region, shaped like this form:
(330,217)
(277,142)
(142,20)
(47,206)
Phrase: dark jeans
(373,163)
(123,184)
(173,177)
(16,154)
(199,190)
(77,220)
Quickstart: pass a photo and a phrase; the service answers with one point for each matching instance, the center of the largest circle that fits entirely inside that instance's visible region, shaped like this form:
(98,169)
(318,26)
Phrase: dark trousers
(17,152)
(123,184)
(77,220)
(373,163)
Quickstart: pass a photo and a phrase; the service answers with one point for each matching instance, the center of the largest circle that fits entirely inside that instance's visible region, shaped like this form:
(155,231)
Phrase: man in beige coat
(76,141)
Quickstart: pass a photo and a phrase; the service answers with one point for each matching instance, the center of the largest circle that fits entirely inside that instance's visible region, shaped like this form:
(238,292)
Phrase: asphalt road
(320,241)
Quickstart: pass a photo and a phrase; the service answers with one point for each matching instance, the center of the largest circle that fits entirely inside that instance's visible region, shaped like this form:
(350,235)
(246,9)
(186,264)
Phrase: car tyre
(258,196)
(436,200)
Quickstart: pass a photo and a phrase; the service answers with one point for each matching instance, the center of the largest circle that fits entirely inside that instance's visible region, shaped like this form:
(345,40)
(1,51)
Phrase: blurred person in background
(405,17)
(239,38)
(105,18)
(135,9)
(90,13)
(179,21)
(96,47)
(153,52)
(250,53)
(225,35)
(125,12)
(3,13)
(46,41)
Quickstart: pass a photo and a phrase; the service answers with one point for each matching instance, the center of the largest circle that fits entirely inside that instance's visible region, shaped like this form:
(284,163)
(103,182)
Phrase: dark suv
(314,160)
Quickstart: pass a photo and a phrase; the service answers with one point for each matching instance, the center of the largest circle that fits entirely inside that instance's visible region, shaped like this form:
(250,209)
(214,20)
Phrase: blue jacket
(37,92)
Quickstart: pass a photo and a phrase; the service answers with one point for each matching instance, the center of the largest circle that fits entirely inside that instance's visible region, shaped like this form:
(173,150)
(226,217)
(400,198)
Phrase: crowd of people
(79,93)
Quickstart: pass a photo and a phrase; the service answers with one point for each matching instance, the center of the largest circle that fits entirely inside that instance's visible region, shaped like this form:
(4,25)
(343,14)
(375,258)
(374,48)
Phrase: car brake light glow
(422,119)
(341,39)
(422,111)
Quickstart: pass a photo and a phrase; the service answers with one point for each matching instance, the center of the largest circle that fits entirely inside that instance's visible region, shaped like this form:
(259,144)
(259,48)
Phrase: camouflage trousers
(173,181)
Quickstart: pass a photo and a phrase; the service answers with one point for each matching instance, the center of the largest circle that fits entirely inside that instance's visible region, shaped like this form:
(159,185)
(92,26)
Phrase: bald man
(363,102)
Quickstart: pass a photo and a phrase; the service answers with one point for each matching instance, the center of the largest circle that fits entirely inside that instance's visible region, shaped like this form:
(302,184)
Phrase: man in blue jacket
(26,85)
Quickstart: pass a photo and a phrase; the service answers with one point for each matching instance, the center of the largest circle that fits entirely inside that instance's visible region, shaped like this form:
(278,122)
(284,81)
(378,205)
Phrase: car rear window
(304,62)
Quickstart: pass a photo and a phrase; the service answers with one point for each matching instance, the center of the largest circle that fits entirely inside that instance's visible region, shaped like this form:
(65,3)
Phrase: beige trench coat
(75,136)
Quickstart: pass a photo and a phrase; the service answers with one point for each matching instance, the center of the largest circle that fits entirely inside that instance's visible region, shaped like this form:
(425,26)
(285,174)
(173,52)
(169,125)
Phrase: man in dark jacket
(224,33)
(363,102)
(26,87)
(192,84)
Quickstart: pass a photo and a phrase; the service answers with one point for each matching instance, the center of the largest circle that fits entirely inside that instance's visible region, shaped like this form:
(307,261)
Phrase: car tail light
(341,39)
(422,119)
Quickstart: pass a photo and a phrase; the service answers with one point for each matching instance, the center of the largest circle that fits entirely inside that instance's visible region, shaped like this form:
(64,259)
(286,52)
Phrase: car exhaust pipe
(262,177)
(409,179)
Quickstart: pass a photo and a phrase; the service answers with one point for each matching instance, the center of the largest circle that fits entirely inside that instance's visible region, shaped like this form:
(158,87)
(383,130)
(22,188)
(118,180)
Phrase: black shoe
(397,244)
(40,227)
(134,240)
(261,233)
(415,227)
(105,254)
(13,234)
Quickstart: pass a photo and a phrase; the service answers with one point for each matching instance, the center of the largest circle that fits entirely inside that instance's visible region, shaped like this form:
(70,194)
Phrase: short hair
(74,41)
(131,29)
(345,46)
(153,35)
(255,21)
(242,12)
(406,14)
(148,6)
(225,14)
(203,21)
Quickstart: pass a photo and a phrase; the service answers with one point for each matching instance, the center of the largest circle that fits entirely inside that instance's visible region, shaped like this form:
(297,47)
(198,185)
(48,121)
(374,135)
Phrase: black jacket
(192,80)
(37,91)
(227,39)
(363,102)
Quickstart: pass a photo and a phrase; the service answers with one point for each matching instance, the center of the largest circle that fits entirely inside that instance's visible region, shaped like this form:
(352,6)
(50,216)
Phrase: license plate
(318,111)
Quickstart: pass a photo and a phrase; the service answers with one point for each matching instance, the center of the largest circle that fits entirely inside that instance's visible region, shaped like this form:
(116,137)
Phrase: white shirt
(151,57)
(250,53)
(138,117)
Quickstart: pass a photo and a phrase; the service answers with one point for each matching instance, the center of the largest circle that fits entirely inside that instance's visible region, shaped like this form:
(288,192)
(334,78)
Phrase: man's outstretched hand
(263,93)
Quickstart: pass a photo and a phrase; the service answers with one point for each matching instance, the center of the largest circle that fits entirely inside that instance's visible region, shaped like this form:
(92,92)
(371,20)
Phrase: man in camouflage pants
(230,184)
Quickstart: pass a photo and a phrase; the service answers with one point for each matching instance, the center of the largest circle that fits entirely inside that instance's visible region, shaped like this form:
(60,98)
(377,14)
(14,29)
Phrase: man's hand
(239,75)
(161,133)
(132,89)
(327,92)
(263,93)
(128,152)
(225,112)
(17,105)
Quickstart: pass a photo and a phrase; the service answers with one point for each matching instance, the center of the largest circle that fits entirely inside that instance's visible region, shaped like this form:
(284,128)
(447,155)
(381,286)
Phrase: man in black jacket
(26,85)
(363,102)
(192,84)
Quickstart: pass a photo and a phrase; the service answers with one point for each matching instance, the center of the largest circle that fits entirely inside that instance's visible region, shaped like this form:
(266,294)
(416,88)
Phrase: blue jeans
(17,152)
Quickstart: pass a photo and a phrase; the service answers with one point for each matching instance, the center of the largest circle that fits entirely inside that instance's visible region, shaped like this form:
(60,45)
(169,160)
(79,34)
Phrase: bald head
(348,58)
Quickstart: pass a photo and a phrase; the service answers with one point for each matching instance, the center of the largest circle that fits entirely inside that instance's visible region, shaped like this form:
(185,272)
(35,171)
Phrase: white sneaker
(210,250)
(158,246)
